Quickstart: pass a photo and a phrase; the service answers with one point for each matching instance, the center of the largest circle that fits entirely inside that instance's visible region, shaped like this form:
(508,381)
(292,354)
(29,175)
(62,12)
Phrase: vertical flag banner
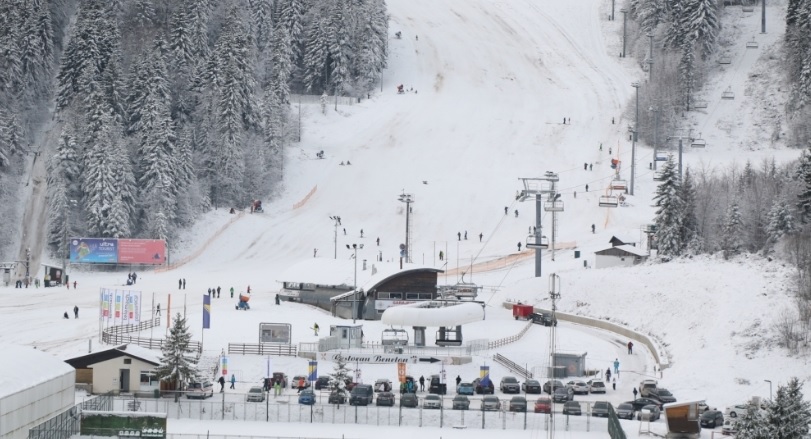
(118,304)
(206,311)
(126,308)
(312,371)
(106,301)
(224,365)
(484,374)
(401,372)
(268,373)
(135,313)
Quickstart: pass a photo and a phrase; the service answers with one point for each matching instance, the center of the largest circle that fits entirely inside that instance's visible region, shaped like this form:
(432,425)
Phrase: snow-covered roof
(325,271)
(384,273)
(430,313)
(131,350)
(626,248)
(24,367)
(142,353)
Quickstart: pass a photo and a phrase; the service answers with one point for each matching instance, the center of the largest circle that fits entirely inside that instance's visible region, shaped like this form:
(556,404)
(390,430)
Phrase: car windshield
(561,390)
(600,405)
(573,404)
(510,380)
(597,384)
(709,414)
(460,398)
(663,392)
(532,383)
(625,406)
(255,390)
(431,397)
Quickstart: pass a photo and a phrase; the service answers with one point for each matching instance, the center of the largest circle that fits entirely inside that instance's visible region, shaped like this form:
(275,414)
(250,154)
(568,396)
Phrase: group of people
(131,278)
(222,382)
(215,292)
(181,284)
(459,237)
(270,383)
(75,313)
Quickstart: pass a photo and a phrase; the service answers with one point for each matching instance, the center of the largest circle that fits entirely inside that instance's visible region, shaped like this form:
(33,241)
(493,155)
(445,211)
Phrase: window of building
(128,361)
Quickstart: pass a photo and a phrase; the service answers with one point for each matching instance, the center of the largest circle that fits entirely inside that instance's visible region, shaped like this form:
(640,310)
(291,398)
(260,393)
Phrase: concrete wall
(626,333)
(607,261)
(106,374)
(21,411)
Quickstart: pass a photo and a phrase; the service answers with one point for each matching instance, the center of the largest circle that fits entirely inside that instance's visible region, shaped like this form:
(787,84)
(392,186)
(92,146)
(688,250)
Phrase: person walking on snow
(587,188)
(630,347)
(516,213)
(222,384)
(233,380)
(585,166)
(458,380)
(277,388)
(635,392)
(465,235)
(614,383)
(505,210)
(480,237)
(616,366)
(441,255)
(75,312)
(592,228)
(458,236)
(608,374)
(315,329)
(179,284)
(184,283)
(519,245)
(422,383)
(218,292)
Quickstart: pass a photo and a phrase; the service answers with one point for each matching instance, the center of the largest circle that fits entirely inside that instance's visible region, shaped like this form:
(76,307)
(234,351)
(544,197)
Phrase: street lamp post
(770,388)
(634,134)
(624,26)
(337,221)
(355,247)
(66,250)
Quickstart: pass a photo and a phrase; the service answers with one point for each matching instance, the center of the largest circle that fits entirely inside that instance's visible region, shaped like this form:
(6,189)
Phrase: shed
(619,256)
(122,369)
(34,386)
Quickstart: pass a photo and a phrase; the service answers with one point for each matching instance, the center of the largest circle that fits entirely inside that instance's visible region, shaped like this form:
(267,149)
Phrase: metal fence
(286,408)
(67,423)
(316,99)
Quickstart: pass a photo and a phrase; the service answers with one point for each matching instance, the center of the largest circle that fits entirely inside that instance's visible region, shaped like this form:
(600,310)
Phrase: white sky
(493,81)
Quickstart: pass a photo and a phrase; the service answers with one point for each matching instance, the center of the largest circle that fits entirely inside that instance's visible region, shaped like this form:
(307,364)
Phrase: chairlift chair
(660,158)
(553,205)
(747,8)
(619,185)
(698,143)
(608,201)
(724,60)
(700,104)
(658,176)
(752,44)
(394,337)
(541,242)
(728,94)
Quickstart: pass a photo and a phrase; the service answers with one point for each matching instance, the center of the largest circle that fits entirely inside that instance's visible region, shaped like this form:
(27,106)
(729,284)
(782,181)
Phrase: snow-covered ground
(492,81)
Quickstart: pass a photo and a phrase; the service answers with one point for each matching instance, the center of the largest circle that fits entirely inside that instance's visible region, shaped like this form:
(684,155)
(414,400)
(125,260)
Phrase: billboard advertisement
(117,251)
(93,251)
(141,251)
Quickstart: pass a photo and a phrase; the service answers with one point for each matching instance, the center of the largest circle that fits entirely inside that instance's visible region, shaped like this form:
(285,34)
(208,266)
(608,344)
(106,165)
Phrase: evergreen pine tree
(752,425)
(339,47)
(780,220)
(316,55)
(292,18)
(731,231)
(687,72)
(690,234)
(649,13)
(701,24)
(804,174)
(178,360)
(340,376)
(669,220)
(789,415)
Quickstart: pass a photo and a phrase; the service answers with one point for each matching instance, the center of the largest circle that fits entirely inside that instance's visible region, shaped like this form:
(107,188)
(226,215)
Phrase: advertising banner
(122,306)
(224,365)
(141,251)
(118,304)
(484,374)
(206,311)
(312,371)
(106,303)
(401,372)
(93,251)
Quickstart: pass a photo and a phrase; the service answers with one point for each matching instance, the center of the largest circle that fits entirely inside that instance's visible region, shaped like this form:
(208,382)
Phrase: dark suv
(362,394)
(322,383)
(483,387)
(509,385)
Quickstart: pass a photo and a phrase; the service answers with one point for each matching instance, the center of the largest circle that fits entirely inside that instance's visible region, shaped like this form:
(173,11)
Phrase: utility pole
(612,10)
(355,247)
(633,137)
(624,27)
(337,221)
(554,294)
(655,134)
(650,59)
(406,250)
(763,16)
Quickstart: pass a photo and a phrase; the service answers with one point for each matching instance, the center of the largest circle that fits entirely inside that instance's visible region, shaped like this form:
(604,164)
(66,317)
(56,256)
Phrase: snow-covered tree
(781,221)
(732,231)
(649,13)
(340,376)
(340,47)
(316,55)
(752,425)
(11,137)
(687,72)
(669,213)
(689,223)
(177,364)
(292,18)
(789,415)
(701,24)
(804,175)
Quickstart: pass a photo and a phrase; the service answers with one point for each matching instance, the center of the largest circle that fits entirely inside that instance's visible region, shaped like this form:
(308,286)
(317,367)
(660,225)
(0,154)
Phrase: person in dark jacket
(422,383)
(222,384)
(458,380)
(75,312)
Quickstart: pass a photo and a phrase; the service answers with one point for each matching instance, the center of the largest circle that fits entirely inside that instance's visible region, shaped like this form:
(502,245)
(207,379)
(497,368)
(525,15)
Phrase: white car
(596,386)
(738,410)
(578,387)
(730,427)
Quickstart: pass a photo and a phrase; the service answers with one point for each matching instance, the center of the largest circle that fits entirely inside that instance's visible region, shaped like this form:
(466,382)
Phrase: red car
(543,405)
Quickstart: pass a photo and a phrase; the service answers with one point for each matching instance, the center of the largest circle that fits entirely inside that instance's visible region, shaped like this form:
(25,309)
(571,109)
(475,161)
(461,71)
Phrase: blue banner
(312,369)
(206,311)
(93,251)
(484,374)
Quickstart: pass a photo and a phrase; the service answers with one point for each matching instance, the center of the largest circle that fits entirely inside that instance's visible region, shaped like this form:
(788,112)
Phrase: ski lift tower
(538,187)
(406,248)
(554,294)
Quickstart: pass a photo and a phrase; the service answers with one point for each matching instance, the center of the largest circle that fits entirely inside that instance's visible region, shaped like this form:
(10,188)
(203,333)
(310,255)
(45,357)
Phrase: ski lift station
(622,253)
(329,285)
(446,315)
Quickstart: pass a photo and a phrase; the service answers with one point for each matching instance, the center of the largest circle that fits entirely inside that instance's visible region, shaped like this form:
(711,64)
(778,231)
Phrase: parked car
(509,385)
(642,402)
(322,383)
(408,383)
(730,427)
(491,403)
(703,407)
(543,405)
(436,386)
(306,397)
(294,384)
(362,394)
(461,402)
(409,400)
(625,411)
(432,401)
(544,318)
(712,419)
(599,409)
(518,404)
(382,385)
(200,389)
(645,386)
(385,399)
(572,408)
(741,409)
(549,386)
(531,386)
(281,378)
(596,386)
(662,394)
(337,397)
(579,387)
(255,394)
(465,389)
(562,394)
(653,412)
(484,387)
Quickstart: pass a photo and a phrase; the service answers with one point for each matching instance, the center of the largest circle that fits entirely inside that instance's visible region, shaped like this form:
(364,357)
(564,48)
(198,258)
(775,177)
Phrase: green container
(577,254)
